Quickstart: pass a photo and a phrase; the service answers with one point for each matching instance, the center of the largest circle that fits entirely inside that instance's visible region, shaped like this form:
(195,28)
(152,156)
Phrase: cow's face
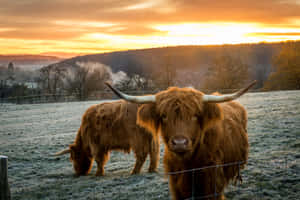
(181,117)
(81,162)
(180,135)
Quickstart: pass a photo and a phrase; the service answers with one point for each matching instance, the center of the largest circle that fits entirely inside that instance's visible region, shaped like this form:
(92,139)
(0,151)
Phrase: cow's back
(234,143)
(231,132)
(233,110)
(112,125)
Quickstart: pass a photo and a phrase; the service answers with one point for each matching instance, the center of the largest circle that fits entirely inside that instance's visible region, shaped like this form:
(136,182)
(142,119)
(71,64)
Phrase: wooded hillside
(204,67)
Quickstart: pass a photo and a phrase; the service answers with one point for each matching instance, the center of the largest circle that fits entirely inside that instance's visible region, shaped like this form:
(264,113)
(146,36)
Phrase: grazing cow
(111,126)
(198,131)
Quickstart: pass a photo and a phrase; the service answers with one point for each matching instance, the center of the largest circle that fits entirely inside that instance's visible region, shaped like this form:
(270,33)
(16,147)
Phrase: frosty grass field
(30,133)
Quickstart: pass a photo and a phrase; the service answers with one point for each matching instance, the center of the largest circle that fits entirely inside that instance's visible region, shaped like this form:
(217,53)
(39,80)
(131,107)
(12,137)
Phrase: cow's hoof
(134,172)
(99,174)
(152,171)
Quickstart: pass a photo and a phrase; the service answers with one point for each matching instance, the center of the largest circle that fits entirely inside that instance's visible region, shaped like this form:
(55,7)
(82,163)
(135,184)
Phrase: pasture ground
(29,133)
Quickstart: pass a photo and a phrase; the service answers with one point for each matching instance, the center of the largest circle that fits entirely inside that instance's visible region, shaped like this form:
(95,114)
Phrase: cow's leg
(101,159)
(140,159)
(175,193)
(154,156)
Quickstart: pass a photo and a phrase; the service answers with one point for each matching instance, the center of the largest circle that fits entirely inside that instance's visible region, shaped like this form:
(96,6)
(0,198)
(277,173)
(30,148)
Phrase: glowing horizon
(128,25)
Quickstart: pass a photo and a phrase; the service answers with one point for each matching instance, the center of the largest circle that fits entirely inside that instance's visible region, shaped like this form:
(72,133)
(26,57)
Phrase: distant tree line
(16,82)
(79,80)
(285,73)
(226,69)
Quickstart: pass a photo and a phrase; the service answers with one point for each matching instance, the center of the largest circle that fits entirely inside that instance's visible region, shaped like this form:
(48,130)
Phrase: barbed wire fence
(64,97)
(97,95)
(250,188)
(196,171)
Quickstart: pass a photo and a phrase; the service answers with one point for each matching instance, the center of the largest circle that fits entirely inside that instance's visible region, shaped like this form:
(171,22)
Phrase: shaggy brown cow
(198,131)
(111,126)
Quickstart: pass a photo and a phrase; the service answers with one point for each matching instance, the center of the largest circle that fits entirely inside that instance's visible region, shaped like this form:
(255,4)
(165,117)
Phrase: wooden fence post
(4,188)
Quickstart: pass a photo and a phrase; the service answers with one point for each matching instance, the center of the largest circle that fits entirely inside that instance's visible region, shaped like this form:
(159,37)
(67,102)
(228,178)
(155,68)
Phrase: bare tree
(135,83)
(286,69)
(226,72)
(11,69)
(51,79)
(76,81)
(44,79)
(87,78)
(57,80)
(166,75)
(169,72)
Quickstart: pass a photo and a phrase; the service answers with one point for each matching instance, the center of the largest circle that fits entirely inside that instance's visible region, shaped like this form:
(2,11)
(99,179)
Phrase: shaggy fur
(112,126)
(216,133)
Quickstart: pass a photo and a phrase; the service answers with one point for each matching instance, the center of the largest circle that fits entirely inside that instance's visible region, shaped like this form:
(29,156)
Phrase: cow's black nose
(179,141)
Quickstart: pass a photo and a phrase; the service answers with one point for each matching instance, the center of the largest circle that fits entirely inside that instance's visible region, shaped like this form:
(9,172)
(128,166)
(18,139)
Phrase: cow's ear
(211,113)
(73,151)
(147,117)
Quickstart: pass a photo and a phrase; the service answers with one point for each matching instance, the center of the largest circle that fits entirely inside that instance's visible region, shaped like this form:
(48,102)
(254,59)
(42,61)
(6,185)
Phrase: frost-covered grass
(30,133)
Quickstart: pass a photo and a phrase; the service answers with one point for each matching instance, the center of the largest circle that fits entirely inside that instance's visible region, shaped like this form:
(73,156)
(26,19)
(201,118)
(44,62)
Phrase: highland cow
(198,131)
(111,126)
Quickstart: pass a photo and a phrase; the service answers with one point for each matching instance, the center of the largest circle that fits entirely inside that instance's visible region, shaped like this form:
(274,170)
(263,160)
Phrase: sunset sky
(68,27)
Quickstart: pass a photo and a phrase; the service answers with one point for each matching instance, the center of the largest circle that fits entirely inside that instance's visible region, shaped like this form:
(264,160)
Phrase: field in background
(30,133)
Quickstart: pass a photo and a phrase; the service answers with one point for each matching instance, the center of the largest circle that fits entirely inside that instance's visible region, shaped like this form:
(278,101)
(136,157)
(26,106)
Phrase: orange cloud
(93,26)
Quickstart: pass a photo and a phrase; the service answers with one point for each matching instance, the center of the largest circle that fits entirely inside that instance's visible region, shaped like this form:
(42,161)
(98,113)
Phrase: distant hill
(28,61)
(63,55)
(187,60)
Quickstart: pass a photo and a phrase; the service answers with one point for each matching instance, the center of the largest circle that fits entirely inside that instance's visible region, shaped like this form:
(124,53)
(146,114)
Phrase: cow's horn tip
(108,83)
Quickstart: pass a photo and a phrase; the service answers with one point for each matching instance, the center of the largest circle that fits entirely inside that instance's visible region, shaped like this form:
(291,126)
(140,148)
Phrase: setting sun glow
(97,27)
(224,33)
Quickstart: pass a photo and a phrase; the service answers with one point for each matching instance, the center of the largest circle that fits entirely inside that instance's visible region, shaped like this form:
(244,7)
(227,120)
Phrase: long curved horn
(65,151)
(134,99)
(228,97)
